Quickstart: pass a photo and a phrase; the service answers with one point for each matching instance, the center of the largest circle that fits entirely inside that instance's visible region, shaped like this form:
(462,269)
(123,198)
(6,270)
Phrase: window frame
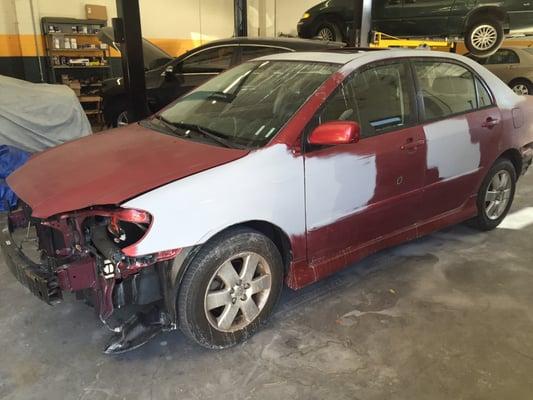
(242,47)
(313,122)
(419,96)
(233,60)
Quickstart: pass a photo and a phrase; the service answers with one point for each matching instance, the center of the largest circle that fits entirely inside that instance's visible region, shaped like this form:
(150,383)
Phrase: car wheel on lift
(328,31)
(495,196)
(521,87)
(484,37)
(230,288)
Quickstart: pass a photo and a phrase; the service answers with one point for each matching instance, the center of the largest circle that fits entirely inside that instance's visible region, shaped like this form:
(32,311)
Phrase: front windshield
(249,104)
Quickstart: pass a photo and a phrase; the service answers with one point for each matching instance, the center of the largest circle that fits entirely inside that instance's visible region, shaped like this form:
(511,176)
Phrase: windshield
(249,104)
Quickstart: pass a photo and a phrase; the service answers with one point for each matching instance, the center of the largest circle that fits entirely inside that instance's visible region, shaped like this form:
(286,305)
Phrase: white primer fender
(267,185)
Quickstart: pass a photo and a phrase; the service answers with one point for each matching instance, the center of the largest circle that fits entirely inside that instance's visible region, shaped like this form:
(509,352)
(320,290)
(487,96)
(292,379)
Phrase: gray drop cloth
(36,116)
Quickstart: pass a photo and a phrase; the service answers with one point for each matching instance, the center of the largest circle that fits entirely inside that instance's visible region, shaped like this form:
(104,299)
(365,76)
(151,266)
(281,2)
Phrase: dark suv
(482,23)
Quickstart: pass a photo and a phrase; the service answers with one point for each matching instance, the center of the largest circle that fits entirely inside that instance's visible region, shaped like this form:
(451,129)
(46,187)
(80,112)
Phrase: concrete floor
(449,316)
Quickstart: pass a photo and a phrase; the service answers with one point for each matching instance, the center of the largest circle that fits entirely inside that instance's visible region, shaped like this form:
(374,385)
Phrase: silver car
(513,65)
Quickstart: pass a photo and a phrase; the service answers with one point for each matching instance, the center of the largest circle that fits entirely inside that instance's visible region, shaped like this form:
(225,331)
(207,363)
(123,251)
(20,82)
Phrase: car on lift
(283,169)
(165,82)
(513,65)
(482,23)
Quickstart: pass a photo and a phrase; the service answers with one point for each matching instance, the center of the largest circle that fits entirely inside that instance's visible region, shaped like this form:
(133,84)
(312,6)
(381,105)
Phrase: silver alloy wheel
(520,89)
(498,195)
(122,119)
(484,37)
(237,292)
(326,34)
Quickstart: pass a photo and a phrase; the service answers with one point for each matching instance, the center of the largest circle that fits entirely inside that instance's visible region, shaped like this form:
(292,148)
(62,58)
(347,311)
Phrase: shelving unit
(70,39)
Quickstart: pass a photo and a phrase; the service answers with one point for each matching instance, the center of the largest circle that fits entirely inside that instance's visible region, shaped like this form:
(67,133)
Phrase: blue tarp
(11,158)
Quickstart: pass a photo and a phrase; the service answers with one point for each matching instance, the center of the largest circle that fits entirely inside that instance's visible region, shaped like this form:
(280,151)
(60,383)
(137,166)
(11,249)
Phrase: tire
(328,31)
(492,212)
(214,274)
(521,86)
(484,36)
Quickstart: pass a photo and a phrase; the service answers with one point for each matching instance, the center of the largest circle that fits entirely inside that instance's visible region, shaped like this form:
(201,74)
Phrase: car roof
(291,43)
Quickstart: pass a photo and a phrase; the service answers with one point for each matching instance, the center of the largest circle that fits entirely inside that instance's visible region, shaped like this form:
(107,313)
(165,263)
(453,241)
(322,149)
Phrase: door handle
(411,145)
(490,123)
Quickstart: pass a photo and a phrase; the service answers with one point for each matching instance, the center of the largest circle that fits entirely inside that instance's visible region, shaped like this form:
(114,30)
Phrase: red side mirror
(335,132)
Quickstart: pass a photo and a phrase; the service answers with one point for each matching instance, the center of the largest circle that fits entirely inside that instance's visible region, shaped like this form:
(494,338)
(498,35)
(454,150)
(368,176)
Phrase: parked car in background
(166,82)
(513,65)
(284,169)
(482,23)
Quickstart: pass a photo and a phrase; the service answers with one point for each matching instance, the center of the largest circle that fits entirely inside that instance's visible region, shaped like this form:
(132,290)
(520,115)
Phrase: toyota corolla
(276,173)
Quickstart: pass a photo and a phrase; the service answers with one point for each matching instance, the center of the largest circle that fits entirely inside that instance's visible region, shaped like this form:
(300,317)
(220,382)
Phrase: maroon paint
(335,132)
(109,168)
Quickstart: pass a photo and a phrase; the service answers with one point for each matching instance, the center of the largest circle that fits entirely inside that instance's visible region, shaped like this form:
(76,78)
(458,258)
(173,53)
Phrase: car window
(484,99)
(216,59)
(503,56)
(251,52)
(447,88)
(377,98)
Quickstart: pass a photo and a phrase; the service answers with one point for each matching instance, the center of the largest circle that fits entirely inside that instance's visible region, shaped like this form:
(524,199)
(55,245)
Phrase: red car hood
(109,168)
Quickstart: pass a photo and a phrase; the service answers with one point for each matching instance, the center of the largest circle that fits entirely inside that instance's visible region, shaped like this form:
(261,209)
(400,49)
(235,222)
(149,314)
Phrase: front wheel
(329,31)
(495,196)
(484,37)
(230,288)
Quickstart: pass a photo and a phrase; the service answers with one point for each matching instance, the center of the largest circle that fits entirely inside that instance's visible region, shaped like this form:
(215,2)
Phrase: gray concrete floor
(449,316)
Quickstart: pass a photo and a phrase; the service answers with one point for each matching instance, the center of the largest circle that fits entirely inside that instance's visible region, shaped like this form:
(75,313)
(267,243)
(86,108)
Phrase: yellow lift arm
(382,40)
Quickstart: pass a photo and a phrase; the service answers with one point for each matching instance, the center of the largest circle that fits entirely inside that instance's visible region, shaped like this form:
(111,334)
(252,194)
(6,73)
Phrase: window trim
(313,122)
(243,45)
(232,61)
(422,114)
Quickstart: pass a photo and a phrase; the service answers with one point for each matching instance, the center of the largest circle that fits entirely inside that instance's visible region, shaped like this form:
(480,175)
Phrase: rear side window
(251,52)
(378,98)
(216,59)
(447,89)
(504,56)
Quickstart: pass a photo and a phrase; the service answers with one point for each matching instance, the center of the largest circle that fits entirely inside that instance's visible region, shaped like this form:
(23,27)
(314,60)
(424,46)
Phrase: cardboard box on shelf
(93,11)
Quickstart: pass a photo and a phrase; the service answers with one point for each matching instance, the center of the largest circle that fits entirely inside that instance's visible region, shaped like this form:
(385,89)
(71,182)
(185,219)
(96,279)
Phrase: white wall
(8,20)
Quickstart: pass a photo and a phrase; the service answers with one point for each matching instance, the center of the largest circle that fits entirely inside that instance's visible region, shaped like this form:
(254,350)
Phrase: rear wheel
(230,288)
(484,36)
(522,87)
(495,196)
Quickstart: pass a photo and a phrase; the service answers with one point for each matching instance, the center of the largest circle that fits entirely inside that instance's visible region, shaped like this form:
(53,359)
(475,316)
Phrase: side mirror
(335,132)
(169,72)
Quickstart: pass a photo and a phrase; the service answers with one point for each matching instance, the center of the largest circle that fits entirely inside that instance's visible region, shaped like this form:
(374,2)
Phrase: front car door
(359,195)
(461,127)
(426,17)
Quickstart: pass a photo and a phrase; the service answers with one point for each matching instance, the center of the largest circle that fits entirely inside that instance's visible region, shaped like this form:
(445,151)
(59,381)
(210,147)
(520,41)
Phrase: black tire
(112,109)
(522,86)
(482,221)
(335,31)
(191,301)
(491,25)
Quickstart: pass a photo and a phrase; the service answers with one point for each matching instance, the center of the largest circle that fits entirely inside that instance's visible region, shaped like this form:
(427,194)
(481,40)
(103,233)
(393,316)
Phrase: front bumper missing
(36,277)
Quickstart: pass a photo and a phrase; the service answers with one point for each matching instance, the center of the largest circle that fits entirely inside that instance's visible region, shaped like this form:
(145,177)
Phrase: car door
(193,70)
(426,17)
(461,126)
(503,64)
(520,14)
(367,191)
(387,16)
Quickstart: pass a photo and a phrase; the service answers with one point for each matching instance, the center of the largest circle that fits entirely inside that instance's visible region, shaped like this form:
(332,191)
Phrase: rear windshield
(249,104)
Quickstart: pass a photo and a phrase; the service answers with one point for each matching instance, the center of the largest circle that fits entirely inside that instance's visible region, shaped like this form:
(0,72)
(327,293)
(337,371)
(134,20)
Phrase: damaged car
(278,172)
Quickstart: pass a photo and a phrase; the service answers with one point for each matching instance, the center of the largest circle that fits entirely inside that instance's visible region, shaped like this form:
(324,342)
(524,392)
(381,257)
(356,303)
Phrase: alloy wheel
(484,37)
(326,34)
(122,119)
(498,195)
(521,89)
(237,292)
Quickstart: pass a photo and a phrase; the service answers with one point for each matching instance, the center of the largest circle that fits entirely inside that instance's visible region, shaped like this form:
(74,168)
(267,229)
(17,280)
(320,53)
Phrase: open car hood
(110,167)
(153,56)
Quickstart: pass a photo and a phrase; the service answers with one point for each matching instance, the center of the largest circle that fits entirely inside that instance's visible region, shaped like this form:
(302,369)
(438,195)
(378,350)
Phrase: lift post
(127,31)
(240,11)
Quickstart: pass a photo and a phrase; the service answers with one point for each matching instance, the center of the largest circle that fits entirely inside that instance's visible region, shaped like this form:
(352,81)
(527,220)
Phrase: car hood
(109,168)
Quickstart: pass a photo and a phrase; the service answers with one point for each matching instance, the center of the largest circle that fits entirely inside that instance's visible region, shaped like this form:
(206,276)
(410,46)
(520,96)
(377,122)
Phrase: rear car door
(462,125)
(387,16)
(367,191)
(520,14)
(197,68)
(427,17)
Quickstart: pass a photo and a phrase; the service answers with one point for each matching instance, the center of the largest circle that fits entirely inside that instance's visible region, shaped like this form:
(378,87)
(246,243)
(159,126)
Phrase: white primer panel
(267,184)
(449,148)
(338,186)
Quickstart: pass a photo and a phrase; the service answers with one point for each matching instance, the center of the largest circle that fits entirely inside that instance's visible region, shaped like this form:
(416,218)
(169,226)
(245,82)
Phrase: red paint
(109,168)
(78,275)
(334,133)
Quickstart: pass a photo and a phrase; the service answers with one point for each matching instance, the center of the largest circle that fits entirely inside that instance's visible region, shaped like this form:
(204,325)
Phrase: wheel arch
(487,11)
(519,78)
(515,157)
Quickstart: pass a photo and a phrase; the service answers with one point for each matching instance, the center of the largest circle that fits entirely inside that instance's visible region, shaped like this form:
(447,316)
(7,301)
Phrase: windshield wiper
(209,133)
(169,125)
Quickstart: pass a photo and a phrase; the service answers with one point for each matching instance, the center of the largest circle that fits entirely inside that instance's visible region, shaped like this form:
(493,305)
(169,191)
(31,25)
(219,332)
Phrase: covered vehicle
(284,169)
(37,116)
(165,82)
